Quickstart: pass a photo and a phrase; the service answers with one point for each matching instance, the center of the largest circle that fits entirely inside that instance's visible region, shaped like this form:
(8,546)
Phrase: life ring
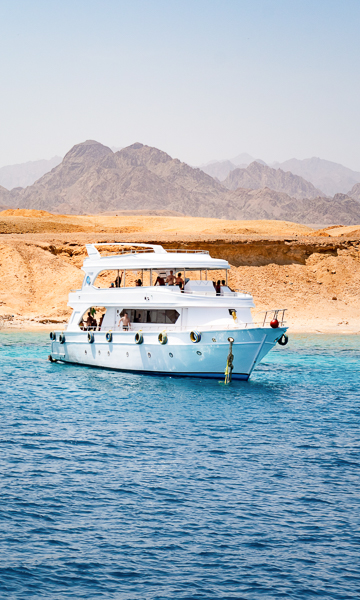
(109,336)
(162,337)
(91,337)
(53,336)
(283,340)
(139,337)
(195,336)
(62,338)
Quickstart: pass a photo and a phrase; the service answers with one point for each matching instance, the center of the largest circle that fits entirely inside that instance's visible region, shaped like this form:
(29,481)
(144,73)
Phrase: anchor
(229,362)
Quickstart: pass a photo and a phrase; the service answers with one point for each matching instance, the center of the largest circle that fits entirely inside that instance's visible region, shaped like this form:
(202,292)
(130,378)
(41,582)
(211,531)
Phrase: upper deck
(147,257)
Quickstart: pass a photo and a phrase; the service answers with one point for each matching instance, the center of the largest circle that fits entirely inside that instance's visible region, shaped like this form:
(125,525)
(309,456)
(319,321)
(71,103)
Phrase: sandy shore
(314,274)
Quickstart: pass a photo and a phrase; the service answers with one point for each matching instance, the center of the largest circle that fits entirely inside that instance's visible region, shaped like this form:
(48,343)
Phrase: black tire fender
(283,340)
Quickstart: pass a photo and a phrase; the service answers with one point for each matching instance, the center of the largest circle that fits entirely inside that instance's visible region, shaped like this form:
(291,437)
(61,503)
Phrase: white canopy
(157,258)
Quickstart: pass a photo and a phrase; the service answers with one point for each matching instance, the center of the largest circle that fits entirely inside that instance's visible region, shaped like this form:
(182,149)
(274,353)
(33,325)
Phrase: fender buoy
(62,338)
(109,336)
(139,338)
(53,336)
(162,337)
(91,337)
(274,323)
(283,340)
(195,336)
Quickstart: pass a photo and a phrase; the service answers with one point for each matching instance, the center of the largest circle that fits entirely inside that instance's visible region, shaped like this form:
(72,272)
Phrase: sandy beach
(314,273)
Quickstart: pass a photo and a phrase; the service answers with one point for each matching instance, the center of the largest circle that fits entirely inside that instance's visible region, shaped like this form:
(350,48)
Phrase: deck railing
(270,315)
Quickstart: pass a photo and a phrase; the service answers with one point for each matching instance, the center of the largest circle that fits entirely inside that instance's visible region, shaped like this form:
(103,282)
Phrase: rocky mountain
(219,169)
(328,176)
(257,176)
(5,198)
(268,204)
(355,192)
(92,179)
(27,173)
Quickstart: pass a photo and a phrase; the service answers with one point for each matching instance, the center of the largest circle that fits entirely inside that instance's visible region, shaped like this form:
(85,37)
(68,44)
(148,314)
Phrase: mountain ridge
(93,179)
(330,177)
(257,175)
(25,174)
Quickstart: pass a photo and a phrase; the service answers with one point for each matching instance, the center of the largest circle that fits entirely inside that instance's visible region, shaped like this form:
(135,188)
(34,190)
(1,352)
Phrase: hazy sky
(199,79)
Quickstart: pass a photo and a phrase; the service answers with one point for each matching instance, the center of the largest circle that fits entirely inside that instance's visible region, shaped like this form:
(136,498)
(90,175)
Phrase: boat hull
(178,357)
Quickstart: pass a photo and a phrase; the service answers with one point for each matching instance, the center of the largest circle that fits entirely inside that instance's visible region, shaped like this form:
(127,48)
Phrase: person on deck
(118,281)
(89,320)
(125,321)
(160,280)
(101,321)
(179,281)
(170,280)
(218,288)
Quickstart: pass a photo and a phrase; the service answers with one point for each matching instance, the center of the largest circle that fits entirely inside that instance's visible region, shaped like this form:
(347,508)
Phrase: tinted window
(151,316)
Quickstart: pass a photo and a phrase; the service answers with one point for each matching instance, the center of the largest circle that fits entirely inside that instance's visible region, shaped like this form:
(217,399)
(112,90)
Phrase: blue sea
(122,486)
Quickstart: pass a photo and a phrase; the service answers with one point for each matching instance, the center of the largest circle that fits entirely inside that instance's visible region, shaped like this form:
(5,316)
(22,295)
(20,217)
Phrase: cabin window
(151,316)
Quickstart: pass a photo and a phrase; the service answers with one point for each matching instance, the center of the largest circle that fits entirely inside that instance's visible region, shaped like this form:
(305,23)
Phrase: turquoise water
(134,487)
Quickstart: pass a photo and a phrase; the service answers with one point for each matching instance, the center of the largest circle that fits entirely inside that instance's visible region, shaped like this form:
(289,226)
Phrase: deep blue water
(134,487)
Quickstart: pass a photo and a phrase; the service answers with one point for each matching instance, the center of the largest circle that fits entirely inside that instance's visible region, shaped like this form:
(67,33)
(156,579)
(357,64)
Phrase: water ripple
(130,487)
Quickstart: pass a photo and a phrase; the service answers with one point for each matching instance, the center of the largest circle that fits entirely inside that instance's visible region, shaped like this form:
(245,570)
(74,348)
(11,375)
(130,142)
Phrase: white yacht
(185,327)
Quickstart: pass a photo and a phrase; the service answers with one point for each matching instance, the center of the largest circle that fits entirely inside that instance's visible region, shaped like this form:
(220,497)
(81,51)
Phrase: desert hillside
(315,274)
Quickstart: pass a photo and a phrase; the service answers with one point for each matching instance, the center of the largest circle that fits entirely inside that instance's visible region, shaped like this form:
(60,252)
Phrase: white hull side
(204,359)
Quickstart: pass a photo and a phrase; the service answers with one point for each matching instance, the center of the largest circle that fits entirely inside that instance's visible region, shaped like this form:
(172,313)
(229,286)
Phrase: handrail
(172,327)
(186,251)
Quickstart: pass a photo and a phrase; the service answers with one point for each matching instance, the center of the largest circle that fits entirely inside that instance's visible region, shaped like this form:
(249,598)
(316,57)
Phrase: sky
(200,79)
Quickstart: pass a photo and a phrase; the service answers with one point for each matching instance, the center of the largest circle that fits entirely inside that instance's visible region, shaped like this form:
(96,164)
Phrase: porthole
(127,354)
(149,355)
(214,339)
(85,351)
(171,355)
(108,353)
(199,353)
(99,352)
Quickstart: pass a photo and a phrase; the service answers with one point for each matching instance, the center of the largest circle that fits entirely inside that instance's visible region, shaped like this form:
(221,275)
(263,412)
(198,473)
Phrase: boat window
(151,316)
